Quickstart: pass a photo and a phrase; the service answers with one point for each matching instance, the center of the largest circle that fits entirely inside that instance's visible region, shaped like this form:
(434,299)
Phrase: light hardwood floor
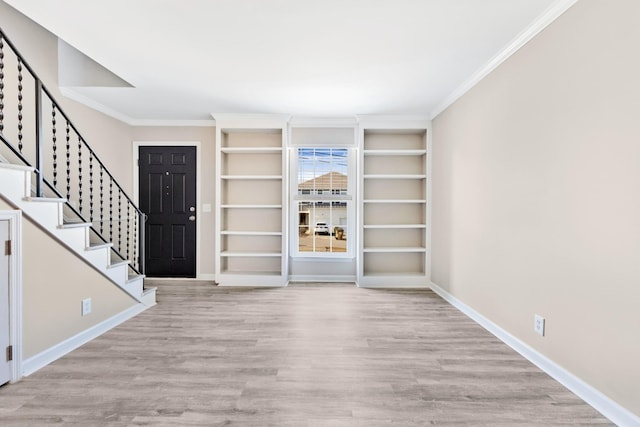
(306,355)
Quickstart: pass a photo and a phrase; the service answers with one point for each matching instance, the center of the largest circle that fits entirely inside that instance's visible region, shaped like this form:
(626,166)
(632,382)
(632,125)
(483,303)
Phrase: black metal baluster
(111,209)
(128,231)
(20,105)
(136,264)
(68,154)
(101,200)
(90,187)
(1,85)
(79,174)
(55,146)
(120,221)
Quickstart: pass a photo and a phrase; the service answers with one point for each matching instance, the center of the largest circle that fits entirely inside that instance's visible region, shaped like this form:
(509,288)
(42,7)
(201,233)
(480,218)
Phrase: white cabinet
(394,208)
(251,247)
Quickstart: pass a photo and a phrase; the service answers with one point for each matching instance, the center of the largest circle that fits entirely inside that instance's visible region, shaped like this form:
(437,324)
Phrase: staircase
(50,173)
(15,188)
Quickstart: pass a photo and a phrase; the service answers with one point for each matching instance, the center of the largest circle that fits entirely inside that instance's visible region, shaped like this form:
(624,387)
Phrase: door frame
(136,184)
(15,290)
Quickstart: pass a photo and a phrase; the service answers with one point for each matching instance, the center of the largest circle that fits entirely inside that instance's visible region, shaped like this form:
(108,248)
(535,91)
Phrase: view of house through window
(322,200)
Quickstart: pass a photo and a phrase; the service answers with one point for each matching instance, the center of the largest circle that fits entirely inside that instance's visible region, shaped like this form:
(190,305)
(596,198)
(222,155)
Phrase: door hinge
(7,247)
(9,353)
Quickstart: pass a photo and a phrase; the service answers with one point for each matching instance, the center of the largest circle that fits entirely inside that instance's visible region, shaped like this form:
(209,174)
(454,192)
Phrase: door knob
(192,218)
(192,209)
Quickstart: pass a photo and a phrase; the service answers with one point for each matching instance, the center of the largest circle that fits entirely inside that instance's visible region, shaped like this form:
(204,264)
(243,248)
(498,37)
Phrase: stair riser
(135,287)
(118,274)
(75,238)
(47,214)
(99,258)
(13,184)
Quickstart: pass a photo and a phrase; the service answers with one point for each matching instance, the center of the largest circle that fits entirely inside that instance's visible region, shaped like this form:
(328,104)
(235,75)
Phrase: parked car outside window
(321,228)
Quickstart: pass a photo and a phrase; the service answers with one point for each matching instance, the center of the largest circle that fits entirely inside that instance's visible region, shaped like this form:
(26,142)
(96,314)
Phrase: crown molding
(70,93)
(255,121)
(173,123)
(543,21)
(322,122)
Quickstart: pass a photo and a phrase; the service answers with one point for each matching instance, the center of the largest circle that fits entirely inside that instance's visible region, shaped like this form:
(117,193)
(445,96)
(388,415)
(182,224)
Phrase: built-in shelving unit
(251,244)
(394,204)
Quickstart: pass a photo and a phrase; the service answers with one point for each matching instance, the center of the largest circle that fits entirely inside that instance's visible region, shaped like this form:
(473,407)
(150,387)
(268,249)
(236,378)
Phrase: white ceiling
(188,58)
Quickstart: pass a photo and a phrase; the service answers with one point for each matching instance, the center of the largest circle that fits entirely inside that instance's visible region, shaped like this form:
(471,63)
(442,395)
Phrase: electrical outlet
(538,324)
(86,306)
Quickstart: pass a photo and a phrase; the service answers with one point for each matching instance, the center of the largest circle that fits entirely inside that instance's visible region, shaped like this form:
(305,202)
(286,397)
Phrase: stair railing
(65,166)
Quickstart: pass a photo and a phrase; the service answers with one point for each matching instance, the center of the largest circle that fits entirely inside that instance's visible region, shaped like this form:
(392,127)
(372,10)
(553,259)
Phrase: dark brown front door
(168,196)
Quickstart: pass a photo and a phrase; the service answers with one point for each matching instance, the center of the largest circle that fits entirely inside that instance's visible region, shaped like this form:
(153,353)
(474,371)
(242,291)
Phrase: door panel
(5,367)
(167,194)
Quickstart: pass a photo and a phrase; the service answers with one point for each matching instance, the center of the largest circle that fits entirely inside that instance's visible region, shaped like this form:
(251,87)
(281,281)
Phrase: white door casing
(11,295)
(5,337)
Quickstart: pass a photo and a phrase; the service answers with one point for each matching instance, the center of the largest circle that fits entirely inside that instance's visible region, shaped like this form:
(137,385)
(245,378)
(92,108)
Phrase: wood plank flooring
(307,355)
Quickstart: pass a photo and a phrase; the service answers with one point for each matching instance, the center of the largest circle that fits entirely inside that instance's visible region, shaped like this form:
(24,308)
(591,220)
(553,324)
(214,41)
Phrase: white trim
(276,122)
(322,278)
(136,184)
(603,404)
(92,103)
(544,20)
(172,123)
(323,122)
(350,198)
(70,93)
(42,359)
(15,289)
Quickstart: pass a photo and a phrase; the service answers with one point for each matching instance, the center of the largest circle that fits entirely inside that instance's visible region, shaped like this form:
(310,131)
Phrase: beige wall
(52,302)
(535,195)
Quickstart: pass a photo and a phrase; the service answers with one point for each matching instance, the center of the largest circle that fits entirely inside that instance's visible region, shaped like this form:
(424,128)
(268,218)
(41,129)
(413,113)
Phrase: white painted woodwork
(394,217)
(251,223)
(47,213)
(5,320)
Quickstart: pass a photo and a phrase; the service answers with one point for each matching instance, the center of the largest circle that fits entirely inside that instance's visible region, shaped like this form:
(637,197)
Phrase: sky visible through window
(315,162)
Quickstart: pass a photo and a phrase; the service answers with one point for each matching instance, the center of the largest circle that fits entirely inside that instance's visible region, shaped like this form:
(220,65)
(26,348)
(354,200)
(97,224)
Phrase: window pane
(322,171)
(322,227)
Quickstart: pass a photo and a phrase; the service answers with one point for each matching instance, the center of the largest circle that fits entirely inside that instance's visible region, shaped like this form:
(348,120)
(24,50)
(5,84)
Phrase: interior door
(168,196)
(5,366)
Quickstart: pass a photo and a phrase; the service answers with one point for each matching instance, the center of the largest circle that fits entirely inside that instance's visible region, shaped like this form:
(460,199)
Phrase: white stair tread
(99,246)
(45,199)
(75,225)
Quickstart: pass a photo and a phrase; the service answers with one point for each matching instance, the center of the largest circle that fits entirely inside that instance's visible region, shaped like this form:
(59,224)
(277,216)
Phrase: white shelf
(396,274)
(251,150)
(250,233)
(249,177)
(250,254)
(395,164)
(394,176)
(251,273)
(394,201)
(395,250)
(251,206)
(395,152)
(250,202)
(394,226)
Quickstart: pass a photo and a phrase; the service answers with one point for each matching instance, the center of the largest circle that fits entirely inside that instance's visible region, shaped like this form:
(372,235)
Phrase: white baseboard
(42,359)
(603,404)
(322,278)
